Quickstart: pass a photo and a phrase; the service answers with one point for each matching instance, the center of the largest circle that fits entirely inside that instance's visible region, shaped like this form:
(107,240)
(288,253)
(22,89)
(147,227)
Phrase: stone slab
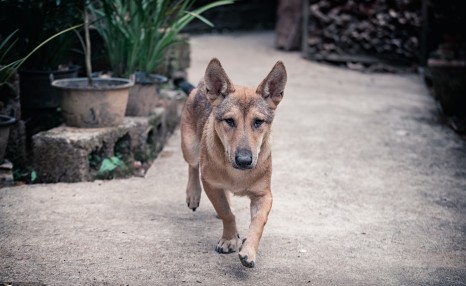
(65,154)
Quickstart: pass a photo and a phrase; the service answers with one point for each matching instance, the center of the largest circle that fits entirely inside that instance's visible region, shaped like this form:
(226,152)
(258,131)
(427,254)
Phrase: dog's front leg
(230,238)
(260,208)
(193,190)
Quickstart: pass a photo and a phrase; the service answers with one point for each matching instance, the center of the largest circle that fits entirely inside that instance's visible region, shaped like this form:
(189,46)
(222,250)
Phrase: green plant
(35,21)
(104,167)
(86,42)
(47,15)
(137,33)
(8,69)
(33,176)
(111,164)
(27,175)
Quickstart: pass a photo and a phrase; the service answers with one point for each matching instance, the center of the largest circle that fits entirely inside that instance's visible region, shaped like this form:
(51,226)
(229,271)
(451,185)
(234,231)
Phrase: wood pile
(363,31)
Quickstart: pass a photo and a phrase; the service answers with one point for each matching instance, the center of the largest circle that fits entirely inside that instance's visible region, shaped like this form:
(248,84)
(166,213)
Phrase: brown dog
(225,130)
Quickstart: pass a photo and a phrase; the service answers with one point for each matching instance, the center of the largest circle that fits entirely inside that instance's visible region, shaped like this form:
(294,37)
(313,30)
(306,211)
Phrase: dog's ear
(272,87)
(217,83)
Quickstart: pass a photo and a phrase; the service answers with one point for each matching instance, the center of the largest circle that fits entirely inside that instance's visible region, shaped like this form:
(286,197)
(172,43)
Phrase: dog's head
(243,115)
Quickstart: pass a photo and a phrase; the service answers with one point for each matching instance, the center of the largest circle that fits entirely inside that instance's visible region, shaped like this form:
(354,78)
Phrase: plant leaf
(110,164)
(33,176)
(107,166)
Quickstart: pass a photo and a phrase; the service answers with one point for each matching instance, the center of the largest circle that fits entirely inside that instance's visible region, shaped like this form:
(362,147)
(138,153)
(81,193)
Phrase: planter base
(6,174)
(67,154)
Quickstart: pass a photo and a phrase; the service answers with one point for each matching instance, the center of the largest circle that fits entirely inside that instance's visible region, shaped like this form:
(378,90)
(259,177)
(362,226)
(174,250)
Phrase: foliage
(33,176)
(104,166)
(137,33)
(35,21)
(26,175)
(8,69)
(110,164)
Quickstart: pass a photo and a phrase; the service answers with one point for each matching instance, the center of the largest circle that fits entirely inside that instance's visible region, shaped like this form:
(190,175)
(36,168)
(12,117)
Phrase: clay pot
(5,123)
(143,95)
(36,91)
(101,105)
(449,80)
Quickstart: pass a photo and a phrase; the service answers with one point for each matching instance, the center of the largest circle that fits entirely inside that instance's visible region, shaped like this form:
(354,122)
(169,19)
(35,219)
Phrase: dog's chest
(239,182)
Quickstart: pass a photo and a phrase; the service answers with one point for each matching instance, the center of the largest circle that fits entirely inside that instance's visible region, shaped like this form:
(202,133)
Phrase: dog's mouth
(243,168)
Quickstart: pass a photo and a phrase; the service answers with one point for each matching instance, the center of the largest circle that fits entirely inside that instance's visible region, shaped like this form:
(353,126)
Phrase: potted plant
(93,102)
(36,21)
(447,64)
(449,81)
(8,70)
(6,88)
(137,34)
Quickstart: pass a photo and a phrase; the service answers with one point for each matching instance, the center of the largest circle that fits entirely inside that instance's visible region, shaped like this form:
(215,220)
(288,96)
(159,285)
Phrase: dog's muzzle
(243,159)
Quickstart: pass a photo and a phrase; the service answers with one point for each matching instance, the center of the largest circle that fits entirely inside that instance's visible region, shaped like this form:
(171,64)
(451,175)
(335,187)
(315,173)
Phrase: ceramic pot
(101,105)
(143,95)
(5,123)
(449,80)
(36,91)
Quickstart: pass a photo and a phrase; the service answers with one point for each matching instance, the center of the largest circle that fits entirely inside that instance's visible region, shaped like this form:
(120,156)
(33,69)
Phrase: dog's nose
(243,158)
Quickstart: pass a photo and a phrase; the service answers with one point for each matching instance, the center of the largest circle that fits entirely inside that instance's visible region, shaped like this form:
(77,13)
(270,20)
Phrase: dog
(225,139)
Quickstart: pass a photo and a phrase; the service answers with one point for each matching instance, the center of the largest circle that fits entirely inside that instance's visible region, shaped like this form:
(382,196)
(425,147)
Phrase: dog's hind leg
(229,241)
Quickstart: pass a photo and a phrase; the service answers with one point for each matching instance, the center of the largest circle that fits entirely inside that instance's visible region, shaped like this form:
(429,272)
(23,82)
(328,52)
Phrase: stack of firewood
(364,30)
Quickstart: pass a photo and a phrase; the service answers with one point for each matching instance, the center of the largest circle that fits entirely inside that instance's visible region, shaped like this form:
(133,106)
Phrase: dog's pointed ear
(217,83)
(272,87)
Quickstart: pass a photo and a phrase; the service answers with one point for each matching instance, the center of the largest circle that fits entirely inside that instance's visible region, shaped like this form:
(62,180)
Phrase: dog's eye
(230,122)
(258,123)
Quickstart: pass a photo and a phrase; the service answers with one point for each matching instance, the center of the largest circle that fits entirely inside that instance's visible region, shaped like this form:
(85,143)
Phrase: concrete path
(369,189)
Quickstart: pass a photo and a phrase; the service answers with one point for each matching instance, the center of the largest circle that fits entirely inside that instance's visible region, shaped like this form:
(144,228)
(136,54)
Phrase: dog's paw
(227,245)
(192,200)
(247,256)
(247,261)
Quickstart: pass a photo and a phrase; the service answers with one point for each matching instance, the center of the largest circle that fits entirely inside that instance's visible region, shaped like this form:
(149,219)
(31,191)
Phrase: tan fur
(225,135)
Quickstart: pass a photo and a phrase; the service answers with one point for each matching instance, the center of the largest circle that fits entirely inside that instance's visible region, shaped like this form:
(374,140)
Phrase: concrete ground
(369,188)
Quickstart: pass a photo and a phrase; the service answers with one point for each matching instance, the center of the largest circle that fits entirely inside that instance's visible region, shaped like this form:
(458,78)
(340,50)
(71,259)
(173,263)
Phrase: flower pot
(101,105)
(5,123)
(143,95)
(35,88)
(449,80)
